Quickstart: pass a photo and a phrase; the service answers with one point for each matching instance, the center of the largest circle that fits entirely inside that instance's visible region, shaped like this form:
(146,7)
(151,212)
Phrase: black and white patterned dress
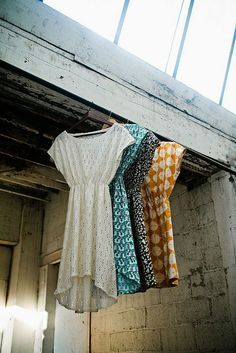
(134,177)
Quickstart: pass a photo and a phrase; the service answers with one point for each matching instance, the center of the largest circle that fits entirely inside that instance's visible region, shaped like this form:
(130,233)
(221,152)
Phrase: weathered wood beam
(7,242)
(25,192)
(51,258)
(28,176)
(35,119)
(23,152)
(10,178)
(39,95)
(45,176)
(137,92)
(10,130)
(29,120)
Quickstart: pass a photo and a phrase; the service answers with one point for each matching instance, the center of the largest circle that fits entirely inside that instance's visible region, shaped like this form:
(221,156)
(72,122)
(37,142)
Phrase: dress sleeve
(55,153)
(126,139)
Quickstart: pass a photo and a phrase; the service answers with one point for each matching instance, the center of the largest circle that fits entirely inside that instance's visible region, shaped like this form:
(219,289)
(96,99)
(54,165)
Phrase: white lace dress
(87,276)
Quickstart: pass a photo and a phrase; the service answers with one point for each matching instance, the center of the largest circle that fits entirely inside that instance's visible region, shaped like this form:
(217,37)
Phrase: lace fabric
(87,276)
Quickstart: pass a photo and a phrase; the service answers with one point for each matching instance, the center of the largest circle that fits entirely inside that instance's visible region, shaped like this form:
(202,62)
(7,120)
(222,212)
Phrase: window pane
(229,100)
(149,28)
(207,46)
(101,16)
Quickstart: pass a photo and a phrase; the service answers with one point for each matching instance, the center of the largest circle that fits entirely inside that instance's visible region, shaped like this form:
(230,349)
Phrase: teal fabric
(128,279)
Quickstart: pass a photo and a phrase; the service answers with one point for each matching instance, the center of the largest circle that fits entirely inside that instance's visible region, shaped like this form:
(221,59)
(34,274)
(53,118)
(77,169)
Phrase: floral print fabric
(127,272)
(134,177)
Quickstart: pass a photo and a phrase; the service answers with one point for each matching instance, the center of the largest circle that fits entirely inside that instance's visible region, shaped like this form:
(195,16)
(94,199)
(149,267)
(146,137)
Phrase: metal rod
(183,38)
(105,111)
(228,67)
(174,35)
(121,21)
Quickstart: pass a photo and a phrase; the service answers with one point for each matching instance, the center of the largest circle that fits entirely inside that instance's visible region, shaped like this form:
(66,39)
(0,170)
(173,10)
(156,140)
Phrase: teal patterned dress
(127,271)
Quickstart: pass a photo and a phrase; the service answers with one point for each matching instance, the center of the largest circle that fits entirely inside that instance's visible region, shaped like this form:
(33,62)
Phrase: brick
(99,323)
(192,310)
(215,336)
(188,253)
(220,308)
(176,294)
(137,340)
(128,320)
(206,213)
(162,315)
(201,195)
(137,300)
(206,235)
(213,258)
(215,282)
(179,338)
(100,343)
(152,297)
(198,285)
(231,280)
(186,220)
(210,283)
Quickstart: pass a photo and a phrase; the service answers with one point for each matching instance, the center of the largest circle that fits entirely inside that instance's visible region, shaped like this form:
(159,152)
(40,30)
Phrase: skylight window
(153,30)
(101,16)
(205,54)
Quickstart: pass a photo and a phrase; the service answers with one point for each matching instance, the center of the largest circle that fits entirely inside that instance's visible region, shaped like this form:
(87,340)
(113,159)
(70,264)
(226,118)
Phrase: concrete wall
(194,317)
(198,315)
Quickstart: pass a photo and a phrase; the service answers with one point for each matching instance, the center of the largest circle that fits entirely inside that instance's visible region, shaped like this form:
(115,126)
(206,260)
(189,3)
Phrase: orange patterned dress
(156,190)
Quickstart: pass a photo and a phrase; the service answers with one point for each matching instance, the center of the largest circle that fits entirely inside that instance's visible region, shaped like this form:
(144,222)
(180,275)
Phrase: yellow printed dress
(156,190)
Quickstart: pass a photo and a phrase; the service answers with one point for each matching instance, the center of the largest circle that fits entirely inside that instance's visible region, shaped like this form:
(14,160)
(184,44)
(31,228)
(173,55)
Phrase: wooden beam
(24,152)
(35,175)
(10,178)
(51,258)
(68,38)
(25,192)
(122,98)
(9,130)
(7,242)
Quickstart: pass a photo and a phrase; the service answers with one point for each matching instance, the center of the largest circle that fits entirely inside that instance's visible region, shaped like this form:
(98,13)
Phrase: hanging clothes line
(90,115)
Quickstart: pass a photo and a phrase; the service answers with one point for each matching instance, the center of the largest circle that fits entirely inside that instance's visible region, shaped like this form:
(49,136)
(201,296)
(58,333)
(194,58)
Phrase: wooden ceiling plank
(19,134)
(41,180)
(11,179)
(24,152)
(46,176)
(22,191)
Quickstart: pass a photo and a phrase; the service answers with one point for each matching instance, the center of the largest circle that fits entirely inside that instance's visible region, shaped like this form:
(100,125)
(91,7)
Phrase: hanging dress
(134,177)
(128,279)
(156,191)
(87,277)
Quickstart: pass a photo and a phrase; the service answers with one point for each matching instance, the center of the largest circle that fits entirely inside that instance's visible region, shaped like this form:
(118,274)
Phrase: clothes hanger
(89,115)
(84,117)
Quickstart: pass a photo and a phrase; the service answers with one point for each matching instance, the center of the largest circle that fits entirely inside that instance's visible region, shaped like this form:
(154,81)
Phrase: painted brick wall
(195,316)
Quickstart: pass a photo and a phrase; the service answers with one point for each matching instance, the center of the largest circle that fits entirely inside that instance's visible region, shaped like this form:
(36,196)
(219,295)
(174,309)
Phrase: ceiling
(32,114)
